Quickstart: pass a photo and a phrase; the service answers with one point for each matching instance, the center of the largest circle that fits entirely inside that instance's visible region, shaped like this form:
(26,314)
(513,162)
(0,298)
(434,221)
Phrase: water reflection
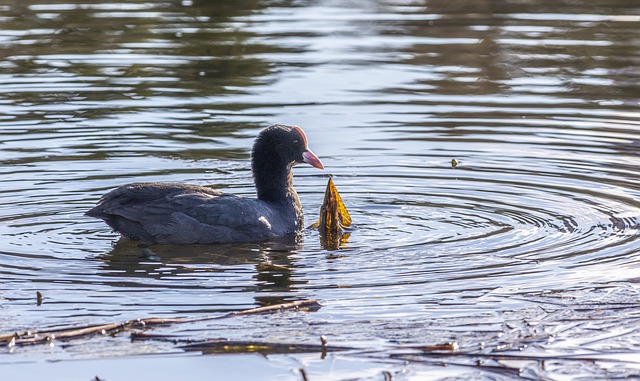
(97,72)
(262,269)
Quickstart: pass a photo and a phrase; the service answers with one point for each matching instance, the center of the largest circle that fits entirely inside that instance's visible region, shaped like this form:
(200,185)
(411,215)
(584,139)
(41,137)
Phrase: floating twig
(45,336)
(214,346)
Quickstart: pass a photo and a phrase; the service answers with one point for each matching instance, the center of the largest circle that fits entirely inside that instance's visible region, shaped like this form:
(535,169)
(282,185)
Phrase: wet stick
(45,336)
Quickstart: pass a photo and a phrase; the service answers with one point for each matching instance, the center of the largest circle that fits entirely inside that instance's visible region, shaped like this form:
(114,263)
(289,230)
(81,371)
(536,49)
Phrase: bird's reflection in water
(273,262)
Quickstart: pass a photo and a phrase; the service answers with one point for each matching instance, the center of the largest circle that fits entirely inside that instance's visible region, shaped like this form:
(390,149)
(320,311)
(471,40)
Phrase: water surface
(537,102)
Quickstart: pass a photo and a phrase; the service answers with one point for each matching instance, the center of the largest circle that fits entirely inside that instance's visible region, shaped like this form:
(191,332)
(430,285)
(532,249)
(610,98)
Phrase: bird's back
(180,213)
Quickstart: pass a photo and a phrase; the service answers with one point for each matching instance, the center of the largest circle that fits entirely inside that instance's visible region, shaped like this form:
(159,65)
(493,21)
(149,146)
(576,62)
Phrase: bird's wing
(185,215)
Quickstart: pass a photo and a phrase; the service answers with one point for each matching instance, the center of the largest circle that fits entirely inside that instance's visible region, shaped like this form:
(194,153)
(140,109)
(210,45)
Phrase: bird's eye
(296,142)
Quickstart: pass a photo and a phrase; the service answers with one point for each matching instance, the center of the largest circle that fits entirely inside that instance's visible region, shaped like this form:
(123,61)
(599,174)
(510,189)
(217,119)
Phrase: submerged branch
(221,345)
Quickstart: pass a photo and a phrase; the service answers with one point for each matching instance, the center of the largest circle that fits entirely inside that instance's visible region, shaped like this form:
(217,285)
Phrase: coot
(184,214)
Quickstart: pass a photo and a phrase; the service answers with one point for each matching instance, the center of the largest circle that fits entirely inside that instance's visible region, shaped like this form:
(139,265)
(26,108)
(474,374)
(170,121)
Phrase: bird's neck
(275,184)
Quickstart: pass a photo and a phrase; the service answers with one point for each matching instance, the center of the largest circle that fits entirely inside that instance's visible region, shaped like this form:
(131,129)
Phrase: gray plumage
(184,214)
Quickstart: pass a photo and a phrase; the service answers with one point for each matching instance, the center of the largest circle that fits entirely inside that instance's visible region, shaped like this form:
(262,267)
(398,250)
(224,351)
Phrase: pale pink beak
(311,158)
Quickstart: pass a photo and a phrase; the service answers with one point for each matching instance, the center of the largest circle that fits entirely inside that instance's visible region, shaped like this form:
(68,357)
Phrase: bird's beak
(311,158)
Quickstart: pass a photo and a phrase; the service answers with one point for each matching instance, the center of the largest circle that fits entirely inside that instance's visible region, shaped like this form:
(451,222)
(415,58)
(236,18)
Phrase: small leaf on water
(452,346)
(271,267)
(334,218)
(454,163)
(333,214)
(39,298)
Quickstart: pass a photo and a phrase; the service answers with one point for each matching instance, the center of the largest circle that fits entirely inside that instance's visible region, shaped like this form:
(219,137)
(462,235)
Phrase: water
(537,101)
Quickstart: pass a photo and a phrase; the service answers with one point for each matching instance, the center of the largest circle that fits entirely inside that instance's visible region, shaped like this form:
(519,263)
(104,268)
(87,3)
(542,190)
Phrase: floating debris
(39,298)
(303,373)
(451,346)
(49,336)
(226,346)
(454,163)
(334,219)
(271,267)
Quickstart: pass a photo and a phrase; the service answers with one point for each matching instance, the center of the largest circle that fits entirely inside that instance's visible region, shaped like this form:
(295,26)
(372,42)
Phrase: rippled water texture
(537,101)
